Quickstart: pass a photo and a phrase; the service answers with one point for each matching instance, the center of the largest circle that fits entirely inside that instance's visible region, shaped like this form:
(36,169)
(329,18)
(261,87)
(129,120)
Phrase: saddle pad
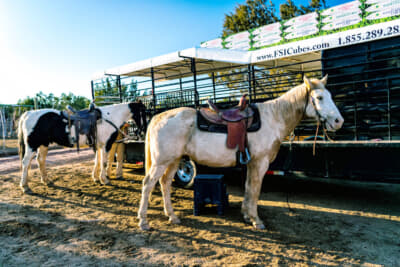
(205,125)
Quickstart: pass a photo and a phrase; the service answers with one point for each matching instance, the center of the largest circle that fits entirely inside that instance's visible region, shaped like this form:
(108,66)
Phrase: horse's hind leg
(165,183)
(26,164)
(154,174)
(96,167)
(120,159)
(103,166)
(41,160)
(111,155)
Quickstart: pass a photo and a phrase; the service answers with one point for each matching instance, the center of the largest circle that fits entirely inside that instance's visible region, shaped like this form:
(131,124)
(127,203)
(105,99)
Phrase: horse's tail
(21,143)
(147,152)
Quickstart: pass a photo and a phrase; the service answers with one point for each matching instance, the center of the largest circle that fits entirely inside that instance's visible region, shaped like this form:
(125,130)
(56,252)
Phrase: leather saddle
(235,121)
(85,122)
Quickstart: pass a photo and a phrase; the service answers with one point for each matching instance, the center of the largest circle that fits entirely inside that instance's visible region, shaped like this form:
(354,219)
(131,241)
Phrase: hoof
(105,181)
(246,218)
(174,220)
(49,183)
(119,178)
(26,190)
(259,226)
(144,226)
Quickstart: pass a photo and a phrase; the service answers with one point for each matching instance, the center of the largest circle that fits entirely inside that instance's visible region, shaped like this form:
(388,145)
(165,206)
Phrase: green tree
(253,14)
(289,9)
(41,100)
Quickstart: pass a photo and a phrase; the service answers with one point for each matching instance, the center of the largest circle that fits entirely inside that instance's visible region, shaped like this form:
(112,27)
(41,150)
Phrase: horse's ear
(324,80)
(307,82)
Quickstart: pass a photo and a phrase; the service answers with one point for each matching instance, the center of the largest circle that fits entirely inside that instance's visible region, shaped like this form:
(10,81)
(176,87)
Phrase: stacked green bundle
(266,35)
(381,9)
(341,16)
(215,43)
(239,41)
(301,26)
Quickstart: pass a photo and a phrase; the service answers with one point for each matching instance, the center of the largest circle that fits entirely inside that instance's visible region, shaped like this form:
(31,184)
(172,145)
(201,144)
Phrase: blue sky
(55,46)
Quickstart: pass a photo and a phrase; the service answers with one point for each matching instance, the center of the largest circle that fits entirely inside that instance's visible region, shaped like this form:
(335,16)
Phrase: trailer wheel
(186,172)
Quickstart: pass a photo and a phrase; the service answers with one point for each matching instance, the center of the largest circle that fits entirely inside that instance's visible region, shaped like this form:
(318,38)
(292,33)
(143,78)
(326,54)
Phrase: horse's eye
(320,98)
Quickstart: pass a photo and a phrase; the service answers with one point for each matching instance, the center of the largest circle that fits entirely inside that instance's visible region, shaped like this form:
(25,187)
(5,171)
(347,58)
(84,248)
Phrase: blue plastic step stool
(210,189)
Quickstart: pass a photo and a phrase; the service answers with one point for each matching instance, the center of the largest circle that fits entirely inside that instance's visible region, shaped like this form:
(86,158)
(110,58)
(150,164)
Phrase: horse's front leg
(26,164)
(165,182)
(103,165)
(96,168)
(41,160)
(256,170)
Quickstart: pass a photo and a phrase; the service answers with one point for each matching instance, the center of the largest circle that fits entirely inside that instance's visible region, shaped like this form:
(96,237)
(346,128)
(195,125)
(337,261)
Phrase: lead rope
(287,164)
(315,137)
(327,136)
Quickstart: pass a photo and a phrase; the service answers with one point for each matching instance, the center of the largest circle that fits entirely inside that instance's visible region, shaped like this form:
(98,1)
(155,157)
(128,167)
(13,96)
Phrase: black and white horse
(38,128)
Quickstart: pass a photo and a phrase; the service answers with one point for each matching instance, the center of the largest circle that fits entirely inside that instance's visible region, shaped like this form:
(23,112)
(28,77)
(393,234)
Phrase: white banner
(347,15)
(238,43)
(341,23)
(275,27)
(267,42)
(238,36)
(371,2)
(384,6)
(266,36)
(247,47)
(301,33)
(384,14)
(302,19)
(350,6)
(216,43)
(340,39)
(305,28)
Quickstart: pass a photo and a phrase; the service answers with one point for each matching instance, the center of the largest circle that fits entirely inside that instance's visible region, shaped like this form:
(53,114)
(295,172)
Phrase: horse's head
(138,111)
(320,104)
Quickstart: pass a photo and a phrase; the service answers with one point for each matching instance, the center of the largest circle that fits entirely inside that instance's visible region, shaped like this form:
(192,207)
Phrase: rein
(118,129)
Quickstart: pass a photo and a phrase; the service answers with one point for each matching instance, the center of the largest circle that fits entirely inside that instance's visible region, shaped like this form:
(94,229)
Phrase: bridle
(320,118)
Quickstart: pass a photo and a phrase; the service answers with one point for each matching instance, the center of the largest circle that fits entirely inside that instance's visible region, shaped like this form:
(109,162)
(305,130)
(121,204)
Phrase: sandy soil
(78,223)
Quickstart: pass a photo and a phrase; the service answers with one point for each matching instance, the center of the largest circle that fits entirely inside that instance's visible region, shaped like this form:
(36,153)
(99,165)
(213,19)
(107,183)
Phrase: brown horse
(174,133)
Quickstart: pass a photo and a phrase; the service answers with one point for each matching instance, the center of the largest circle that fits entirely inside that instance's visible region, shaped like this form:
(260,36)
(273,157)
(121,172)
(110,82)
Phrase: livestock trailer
(363,65)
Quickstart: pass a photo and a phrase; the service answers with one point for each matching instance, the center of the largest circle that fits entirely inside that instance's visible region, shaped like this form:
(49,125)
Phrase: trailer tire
(187,170)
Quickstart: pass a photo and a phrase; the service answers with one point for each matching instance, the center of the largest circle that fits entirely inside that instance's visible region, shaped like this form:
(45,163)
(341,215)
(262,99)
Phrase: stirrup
(248,157)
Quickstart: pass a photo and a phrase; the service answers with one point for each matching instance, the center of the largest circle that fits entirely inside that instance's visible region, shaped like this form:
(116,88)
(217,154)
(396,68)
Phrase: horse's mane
(291,102)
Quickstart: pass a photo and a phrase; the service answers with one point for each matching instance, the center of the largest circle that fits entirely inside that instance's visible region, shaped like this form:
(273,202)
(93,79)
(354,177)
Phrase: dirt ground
(78,223)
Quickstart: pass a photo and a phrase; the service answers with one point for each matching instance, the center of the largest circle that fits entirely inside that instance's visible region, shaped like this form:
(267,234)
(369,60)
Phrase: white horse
(174,133)
(38,128)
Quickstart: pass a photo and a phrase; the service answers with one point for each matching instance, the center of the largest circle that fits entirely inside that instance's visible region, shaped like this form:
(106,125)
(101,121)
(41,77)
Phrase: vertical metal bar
(213,83)
(92,88)
(181,90)
(355,115)
(249,80)
(254,82)
(388,107)
(196,94)
(153,90)
(119,88)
